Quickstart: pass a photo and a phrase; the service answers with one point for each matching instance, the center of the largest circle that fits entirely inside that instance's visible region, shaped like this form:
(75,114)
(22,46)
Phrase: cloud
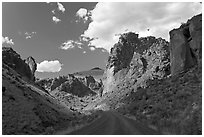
(7,40)
(60,7)
(92,48)
(49,66)
(157,19)
(84,52)
(83,14)
(70,44)
(55,19)
(29,35)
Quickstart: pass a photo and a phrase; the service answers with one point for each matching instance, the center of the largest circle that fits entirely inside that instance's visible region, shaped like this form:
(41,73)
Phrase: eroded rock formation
(88,80)
(119,59)
(186,45)
(25,68)
(68,84)
(136,59)
(33,66)
(75,87)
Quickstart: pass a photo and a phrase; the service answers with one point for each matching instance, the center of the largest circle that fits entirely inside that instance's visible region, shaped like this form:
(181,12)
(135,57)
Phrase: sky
(66,37)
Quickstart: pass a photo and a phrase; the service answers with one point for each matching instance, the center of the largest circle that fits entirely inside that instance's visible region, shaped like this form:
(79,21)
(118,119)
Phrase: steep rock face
(122,52)
(88,80)
(152,62)
(148,58)
(13,60)
(119,59)
(33,66)
(186,45)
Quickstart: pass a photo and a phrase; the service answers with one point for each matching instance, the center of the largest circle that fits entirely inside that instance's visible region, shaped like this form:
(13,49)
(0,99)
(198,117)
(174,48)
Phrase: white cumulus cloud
(83,14)
(55,19)
(49,66)
(60,7)
(7,40)
(148,18)
(70,44)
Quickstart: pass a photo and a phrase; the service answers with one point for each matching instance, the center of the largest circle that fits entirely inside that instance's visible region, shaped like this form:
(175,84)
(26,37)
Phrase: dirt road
(112,123)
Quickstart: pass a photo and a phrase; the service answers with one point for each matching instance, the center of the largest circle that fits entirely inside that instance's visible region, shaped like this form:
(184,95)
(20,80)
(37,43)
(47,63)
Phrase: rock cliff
(25,68)
(119,59)
(136,59)
(30,61)
(186,45)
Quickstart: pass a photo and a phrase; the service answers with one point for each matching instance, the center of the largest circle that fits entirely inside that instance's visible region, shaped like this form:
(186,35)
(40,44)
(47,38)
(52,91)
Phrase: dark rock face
(122,52)
(33,66)
(89,80)
(13,60)
(186,45)
(195,29)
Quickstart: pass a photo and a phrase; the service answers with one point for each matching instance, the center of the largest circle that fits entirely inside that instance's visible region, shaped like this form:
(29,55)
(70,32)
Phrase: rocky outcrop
(186,45)
(13,60)
(136,61)
(56,82)
(122,52)
(33,66)
(75,87)
(88,80)
(68,84)
(119,59)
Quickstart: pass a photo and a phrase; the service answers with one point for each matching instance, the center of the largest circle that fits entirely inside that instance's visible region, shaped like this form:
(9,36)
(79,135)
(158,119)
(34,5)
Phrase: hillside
(28,108)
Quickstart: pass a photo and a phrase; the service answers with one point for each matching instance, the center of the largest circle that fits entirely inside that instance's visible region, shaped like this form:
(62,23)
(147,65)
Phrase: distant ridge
(96,72)
(96,68)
